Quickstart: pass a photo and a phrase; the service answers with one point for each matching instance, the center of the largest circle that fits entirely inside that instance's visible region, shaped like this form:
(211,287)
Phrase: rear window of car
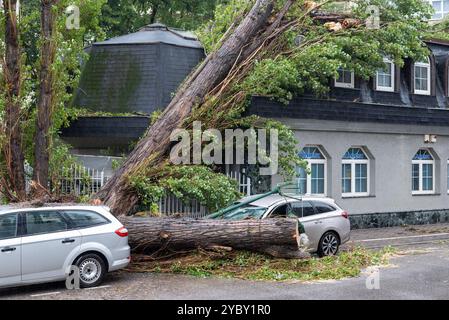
(302,209)
(84,219)
(322,207)
(8,226)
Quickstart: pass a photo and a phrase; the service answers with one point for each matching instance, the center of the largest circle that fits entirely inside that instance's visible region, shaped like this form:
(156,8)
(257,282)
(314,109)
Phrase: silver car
(326,225)
(43,245)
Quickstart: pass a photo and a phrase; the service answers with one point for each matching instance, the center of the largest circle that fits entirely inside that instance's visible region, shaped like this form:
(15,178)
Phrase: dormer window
(385,77)
(421,75)
(345,78)
(440,7)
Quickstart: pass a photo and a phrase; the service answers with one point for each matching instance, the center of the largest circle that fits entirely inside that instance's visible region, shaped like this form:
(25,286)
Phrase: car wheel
(92,270)
(329,244)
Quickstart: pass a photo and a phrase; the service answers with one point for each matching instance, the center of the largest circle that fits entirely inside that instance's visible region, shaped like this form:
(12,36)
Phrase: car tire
(92,270)
(329,244)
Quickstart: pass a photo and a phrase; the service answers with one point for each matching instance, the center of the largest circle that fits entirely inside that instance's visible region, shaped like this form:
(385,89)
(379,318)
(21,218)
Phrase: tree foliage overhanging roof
(403,25)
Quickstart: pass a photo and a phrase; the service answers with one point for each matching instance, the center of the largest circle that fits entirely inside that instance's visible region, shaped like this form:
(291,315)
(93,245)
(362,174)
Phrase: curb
(399,241)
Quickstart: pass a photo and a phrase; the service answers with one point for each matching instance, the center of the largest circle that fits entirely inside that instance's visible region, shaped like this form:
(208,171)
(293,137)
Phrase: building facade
(379,147)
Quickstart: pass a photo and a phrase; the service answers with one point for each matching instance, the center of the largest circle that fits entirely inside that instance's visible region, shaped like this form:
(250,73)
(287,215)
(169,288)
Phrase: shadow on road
(36,289)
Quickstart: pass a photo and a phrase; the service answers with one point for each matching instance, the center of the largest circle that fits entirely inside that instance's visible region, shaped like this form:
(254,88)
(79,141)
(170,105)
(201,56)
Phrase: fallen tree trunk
(153,148)
(276,237)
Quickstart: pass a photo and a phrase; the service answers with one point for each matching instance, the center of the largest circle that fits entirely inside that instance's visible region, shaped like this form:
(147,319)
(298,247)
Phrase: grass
(253,266)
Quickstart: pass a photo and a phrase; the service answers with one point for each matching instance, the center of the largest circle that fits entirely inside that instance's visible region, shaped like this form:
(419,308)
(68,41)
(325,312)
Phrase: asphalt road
(422,273)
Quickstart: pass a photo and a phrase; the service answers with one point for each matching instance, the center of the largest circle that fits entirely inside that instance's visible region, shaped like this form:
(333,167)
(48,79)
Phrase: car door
(10,250)
(46,246)
(312,223)
(329,215)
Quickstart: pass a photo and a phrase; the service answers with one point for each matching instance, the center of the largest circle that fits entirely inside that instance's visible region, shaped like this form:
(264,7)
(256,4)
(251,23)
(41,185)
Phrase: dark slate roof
(311,108)
(156,33)
(125,77)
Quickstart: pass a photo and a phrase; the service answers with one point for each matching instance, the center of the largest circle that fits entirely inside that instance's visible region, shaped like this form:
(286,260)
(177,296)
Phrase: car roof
(277,198)
(13,209)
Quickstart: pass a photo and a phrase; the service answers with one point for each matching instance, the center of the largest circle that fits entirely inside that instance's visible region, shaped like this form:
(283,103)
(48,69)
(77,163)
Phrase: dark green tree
(124,16)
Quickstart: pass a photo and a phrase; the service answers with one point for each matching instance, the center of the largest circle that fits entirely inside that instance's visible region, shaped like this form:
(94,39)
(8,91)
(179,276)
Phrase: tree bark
(276,237)
(156,142)
(45,104)
(153,15)
(14,183)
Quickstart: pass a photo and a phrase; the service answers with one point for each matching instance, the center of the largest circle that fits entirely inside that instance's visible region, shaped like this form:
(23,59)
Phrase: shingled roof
(137,72)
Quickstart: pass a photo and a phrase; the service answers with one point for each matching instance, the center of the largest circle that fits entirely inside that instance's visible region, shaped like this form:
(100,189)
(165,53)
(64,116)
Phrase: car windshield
(245,212)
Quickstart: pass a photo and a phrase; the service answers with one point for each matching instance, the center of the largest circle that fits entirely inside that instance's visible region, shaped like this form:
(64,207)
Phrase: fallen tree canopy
(271,48)
(159,236)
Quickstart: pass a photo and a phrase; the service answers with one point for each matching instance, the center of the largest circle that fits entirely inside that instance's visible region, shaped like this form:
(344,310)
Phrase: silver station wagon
(43,245)
(326,224)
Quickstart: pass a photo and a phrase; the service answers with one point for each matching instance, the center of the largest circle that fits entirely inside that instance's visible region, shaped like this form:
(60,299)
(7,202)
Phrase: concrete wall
(391,148)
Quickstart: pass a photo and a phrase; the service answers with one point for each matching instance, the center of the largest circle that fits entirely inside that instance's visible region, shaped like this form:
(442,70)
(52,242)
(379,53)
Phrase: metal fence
(235,172)
(79,180)
(171,205)
(76,180)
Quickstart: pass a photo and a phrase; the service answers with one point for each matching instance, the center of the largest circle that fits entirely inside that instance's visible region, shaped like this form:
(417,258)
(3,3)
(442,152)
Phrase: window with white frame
(421,76)
(345,78)
(440,7)
(315,182)
(423,172)
(355,173)
(385,77)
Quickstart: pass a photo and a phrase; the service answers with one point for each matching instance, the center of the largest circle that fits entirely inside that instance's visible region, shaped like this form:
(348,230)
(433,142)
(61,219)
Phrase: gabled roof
(156,33)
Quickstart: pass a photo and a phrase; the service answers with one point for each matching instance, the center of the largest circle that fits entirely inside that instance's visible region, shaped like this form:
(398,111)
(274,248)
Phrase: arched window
(355,173)
(315,182)
(423,172)
(385,77)
(421,76)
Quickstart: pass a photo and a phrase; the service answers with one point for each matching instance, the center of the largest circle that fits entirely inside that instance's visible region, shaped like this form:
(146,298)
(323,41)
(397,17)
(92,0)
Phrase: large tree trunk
(276,237)
(156,143)
(14,183)
(45,105)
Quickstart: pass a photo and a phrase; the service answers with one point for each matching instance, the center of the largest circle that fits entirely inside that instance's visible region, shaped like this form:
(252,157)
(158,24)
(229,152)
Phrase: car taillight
(122,232)
(345,215)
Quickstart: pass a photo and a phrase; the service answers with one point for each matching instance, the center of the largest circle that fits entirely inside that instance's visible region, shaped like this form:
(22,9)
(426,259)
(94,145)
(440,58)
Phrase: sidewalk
(399,236)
